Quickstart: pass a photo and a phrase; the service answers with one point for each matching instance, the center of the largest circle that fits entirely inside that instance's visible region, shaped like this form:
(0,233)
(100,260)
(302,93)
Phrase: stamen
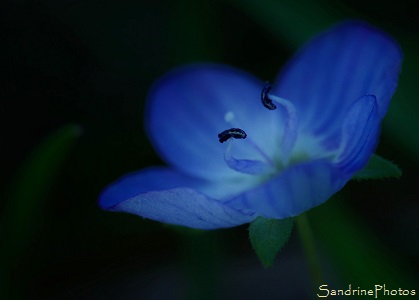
(291,126)
(266,101)
(246,166)
(236,133)
(229,118)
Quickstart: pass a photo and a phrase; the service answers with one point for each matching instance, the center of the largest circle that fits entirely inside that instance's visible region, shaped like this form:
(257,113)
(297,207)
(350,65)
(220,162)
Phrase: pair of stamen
(238,133)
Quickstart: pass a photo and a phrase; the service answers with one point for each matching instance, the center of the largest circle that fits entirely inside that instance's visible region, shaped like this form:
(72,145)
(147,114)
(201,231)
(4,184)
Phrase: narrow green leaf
(291,21)
(26,197)
(308,243)
(33,180)
(401,121)
(268,236)
(378,168)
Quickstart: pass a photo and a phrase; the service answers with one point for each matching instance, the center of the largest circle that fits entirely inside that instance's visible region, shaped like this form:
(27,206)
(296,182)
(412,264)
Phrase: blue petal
(297,189)
(188,108)
(360,133)
(164,195)
(336,68)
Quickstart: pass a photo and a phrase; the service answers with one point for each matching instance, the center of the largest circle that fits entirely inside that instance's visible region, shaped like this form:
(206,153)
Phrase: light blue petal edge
(167,196)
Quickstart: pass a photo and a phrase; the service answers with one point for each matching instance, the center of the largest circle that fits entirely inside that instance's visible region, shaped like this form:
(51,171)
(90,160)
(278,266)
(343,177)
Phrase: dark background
(90,64)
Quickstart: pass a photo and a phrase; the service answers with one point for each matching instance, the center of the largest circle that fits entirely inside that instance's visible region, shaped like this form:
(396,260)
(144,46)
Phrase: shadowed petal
(336,68)
(297,189)
(360,133)
(185,207)
(164,195)
(188,108)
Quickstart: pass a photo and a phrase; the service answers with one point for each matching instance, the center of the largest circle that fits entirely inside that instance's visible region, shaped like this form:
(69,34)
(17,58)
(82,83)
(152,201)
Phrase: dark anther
(236,133)
(265,96)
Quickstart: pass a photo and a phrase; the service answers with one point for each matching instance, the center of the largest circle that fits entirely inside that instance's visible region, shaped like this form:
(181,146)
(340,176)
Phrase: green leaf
(378,168)
(33,180)
(291,21)
(401,121)
(268,236)
(26,197)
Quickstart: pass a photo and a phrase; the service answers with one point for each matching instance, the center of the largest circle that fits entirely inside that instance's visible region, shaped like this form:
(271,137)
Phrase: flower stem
(307,240)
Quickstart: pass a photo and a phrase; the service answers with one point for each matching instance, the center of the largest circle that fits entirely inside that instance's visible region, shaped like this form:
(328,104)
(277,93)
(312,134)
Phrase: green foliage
(378,168)
(291,21)
(32,182)
(268,236)
(354,250)
(401,121)
(27,195)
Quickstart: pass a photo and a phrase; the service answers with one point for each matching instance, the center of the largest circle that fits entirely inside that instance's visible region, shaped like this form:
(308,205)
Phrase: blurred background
(74,79)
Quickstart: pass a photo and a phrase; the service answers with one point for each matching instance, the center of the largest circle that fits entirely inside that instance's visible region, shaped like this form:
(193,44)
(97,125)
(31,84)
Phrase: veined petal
(188,108)
(360,132)
(164,195)
(150,179)
(295,190)
(344,63)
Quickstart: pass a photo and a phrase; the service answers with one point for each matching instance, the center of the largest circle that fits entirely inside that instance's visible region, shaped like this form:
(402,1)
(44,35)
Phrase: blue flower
(276,163)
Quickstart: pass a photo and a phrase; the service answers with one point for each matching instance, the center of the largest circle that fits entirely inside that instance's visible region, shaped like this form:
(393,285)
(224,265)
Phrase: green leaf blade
(268,236)
(26,197)
(378,168)
(30,185)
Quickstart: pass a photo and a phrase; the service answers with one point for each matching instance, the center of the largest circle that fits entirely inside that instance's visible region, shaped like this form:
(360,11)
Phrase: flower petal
(188,108)
(169,197)
(297,189)
(336,68)
(360,132)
